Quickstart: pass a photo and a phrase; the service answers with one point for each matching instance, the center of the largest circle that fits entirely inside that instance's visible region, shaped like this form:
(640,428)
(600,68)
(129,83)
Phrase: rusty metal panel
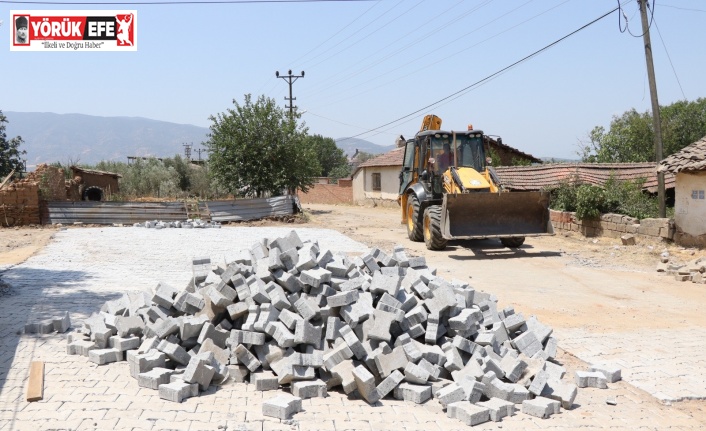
(89,212)
(251,209)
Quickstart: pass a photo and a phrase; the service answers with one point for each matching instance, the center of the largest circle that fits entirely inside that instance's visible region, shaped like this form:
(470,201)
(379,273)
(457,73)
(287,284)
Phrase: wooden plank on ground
(35,386)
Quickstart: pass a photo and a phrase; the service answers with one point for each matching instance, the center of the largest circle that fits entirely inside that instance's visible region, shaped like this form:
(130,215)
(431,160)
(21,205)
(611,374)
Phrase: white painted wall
(689,207)
(363,184)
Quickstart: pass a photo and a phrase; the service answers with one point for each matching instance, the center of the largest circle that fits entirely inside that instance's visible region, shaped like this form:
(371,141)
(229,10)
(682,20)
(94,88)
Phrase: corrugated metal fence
(137,212)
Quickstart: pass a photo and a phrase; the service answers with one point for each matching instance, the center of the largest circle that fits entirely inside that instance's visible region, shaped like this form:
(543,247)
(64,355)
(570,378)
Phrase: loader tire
(513,242)
(432,228)
(414,220)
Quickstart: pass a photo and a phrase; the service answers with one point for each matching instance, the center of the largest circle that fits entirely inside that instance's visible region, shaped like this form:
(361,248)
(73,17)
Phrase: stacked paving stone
(188,224)
(287,313)
(58,324)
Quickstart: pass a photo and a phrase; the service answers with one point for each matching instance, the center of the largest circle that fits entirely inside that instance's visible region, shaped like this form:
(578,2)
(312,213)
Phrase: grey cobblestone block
(282,407)
(343,298)
(105,356)
(309,389)
(538,383)
(62,324)
(555,371)
(387,363)
(221,355)
(454,361)
(189,303)
(342,374)
(190,326)
(337,355)
(469,414)
(178,391)
(415,374)
(216,335)
(308,333)
(280,333)
(353,342)
(519,394)
(245,357)
(382,283)
(268,313)
(315,277)
(417,394)
(512,368)
(365,383)
(174,352)
(550,347)
(560,391)
(237,310)
(238,373)
(611,372)
(80,347)
(495,388)
(498,408)
(590,379)
(155,377)
(389,383)
(245,337)
(143,362)
(264,381)
(257,285)
(540,407)
(290,319)
(528,343)
(307,308)
(123,344)
(541,331)
(277,296)
(199,371)
(450,394)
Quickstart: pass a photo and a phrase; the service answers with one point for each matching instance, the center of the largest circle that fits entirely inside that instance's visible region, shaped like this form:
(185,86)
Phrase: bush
(563,196)
(590,200)
(627,198)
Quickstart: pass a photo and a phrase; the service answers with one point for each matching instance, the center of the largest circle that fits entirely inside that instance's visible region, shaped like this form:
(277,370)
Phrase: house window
(377,182)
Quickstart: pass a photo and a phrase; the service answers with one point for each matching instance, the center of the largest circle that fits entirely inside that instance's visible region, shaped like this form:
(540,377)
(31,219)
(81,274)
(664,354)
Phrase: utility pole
(290,80)
(200,150)
(187,150)
(655,105)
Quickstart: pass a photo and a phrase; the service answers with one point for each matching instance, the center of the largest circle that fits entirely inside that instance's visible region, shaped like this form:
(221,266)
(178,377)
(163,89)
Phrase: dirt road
(566,281)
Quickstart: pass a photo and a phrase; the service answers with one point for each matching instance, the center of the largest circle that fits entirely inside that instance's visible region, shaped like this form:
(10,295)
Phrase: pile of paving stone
(188,224)
(289,314)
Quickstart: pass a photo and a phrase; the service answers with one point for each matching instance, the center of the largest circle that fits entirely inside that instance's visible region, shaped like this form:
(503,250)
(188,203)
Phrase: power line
(466,89)
(185,2)
(670,59)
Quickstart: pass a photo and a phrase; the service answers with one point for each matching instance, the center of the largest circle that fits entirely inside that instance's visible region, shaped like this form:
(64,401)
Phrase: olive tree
(10,152)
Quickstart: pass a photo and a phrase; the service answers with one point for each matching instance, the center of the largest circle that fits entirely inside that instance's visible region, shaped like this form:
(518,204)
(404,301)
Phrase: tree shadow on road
(34,295)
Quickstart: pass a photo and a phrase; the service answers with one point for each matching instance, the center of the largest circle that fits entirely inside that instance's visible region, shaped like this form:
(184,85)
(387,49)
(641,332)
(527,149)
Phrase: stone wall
(324,193)
(613,226)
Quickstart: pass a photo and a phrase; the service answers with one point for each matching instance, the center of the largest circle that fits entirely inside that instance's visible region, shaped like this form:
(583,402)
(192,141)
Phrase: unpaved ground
(18,244)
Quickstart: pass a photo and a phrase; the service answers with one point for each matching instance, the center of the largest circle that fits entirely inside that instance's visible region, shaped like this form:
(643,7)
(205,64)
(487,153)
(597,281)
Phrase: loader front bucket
(495,215)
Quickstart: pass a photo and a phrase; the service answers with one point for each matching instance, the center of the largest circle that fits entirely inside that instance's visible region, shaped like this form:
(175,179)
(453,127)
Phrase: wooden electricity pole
(655,104)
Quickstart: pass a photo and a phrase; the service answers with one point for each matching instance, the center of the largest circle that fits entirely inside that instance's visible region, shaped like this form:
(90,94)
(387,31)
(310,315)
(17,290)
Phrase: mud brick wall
(613,225)
(322,193)
(52,182)
(19,204)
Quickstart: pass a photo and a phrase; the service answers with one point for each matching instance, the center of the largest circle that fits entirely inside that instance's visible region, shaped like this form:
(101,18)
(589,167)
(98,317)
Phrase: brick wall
(341,193)
(613,225)
(19,204)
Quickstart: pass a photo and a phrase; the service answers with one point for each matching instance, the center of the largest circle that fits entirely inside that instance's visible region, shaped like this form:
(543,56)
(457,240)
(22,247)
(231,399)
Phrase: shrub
(563,196)
(590,200)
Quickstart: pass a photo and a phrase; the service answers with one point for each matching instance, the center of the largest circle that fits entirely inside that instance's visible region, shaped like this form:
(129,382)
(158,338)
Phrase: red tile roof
(391,158)
(545,176)
(690,158)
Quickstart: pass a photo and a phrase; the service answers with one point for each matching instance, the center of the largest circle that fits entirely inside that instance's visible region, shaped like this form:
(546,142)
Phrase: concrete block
(337,355)
(199,371)
(155,377)
(512,368)
(264,381)
(189,303)
(80,347)
(178,391)
(61,324)
(527,343)
(282,407)
(464,344)
(389,383)
(221,355)
(541,331)
(190,326)
(382,283)
(550,347)
(343,298)
(105,356)
(417,394)
(342,374)
(555,371)
(395,360)
(280,333)
(309,389)
(560,391)
(540,407)
(610,371)
(590,379)
(123,344)
(413,373)
(498,408)
(381,329)
(277,295)
(315,277)
(307,308)
(268,313)
(352,341)
(496,388)
(216,335)
(454,361)
(239,373)
(245,357)
(450,394)
(143,362)
(469,414)
(365,383)
(174,352)
(307,333)
(538,383)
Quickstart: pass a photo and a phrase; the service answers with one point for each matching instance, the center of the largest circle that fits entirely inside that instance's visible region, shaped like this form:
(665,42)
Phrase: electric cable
(670,59)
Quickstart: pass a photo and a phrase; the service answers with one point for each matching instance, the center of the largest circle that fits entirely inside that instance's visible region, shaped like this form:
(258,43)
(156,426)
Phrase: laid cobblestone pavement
(82,268)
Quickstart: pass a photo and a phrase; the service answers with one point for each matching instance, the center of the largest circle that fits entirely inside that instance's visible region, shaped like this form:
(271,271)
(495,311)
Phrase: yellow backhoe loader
(449,191)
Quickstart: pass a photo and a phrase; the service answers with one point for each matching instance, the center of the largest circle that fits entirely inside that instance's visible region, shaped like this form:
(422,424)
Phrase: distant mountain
(349,145)
(89,139)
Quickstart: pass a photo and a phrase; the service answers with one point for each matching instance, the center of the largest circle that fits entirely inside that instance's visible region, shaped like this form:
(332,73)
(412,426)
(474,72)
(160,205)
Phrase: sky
(373,69)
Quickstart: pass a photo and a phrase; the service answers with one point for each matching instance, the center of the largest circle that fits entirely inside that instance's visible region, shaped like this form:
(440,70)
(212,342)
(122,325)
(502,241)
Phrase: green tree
(257,149)
(631,135)
(9,151)
(182,167)
(331,158)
